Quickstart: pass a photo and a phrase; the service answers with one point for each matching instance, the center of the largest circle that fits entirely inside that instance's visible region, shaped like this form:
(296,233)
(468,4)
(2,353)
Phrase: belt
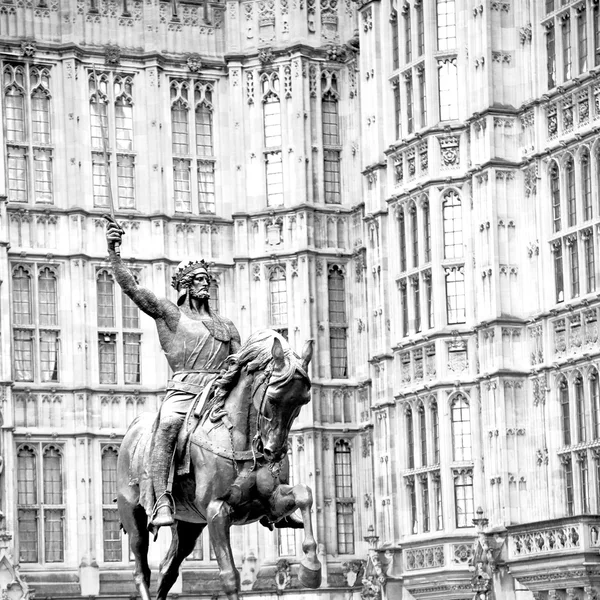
(184,386)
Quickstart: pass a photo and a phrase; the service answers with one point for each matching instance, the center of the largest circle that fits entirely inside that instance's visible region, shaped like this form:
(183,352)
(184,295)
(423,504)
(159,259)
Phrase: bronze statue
(236,450)
(195,341)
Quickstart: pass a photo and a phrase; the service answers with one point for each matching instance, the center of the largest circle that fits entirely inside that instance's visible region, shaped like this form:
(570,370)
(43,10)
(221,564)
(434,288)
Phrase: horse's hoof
(310,578)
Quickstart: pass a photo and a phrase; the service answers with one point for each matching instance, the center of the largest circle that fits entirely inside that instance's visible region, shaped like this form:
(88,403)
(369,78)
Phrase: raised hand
(114,233)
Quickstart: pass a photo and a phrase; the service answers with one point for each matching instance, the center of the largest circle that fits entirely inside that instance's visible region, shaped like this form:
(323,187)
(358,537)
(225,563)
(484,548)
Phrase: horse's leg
(219,524)
(135,521)
(283,502)
(182,543)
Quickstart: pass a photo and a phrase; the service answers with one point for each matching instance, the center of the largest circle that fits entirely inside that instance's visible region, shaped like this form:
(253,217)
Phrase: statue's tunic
(196,353)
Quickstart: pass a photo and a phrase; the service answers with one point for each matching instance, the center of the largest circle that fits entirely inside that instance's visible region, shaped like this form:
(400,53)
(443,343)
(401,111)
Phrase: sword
(112,217)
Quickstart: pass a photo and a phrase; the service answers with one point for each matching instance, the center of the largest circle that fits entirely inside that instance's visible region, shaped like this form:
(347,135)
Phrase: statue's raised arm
(145,299)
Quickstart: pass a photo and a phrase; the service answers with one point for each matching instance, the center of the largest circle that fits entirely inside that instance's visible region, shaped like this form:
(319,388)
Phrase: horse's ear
(278,355)
(307,353)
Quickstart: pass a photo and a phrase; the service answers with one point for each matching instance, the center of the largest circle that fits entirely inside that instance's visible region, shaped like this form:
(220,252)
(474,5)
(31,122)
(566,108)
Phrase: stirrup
(165,499)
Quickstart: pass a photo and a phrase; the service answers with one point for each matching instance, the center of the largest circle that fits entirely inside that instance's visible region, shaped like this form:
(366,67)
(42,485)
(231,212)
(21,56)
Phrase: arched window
(402,240)
(53,510)
(580,408)
(414,230)
(336,284)
(15,113)
(179,117)
(410,438)
(565,413)
(571,196)
(453,228)
(423,434)
(448,86)
(555,196)
(110,515)
(331,137)
(278,298)
(27,505)
(595,401)
(344,497)
(204,120)
(461,429)
(463,497)
(586,185)
(427,232)
(455,295)
(271,110)
(105,288)
(47,296)
(22,305)
(40,116)
(213,289)
(124,123)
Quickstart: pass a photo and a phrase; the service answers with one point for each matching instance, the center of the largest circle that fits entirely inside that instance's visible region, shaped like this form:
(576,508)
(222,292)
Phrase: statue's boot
(165,438)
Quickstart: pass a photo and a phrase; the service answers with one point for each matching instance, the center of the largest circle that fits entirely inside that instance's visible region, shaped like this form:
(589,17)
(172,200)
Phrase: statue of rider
(196,342)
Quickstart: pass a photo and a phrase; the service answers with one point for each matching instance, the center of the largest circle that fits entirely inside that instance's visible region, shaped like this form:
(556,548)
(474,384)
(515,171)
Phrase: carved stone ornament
(283,574)
(194,63)
(336,53)
(28,47)
(112,55)
(265,56)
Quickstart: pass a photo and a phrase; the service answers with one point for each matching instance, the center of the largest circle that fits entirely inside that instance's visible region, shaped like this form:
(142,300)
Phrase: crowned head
(187,273)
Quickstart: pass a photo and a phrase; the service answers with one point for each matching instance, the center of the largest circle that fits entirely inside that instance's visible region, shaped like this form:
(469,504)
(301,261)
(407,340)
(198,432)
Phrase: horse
(237,466)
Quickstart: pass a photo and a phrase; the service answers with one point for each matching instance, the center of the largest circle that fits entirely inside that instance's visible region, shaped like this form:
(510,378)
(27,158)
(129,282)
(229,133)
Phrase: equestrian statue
(216,454)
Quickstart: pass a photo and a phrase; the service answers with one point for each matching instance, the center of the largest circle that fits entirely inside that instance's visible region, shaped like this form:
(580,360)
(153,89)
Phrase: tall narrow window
(559,285)
(331,138)
(555,196)
(204,130)
(272,120)
(453,229)
(105,288)
(410,123)
(568,482)
(590,263)
(571,197)
(586,186)
(100,180)
(206,186)
(124,123)
(131,357)
(22,310)
(420,30)
(412,499)
(427,232)
(580,409)
(274,179)
(584,482)
(126,181)
(582,40)
(131,313)
(15,113)
(17,174)
(107,358)
(549,6)
(395,46)
(596,26)
(463,498)
(425,501)
(397,113)
(446,24)
(448,89)
(565,412)
(278,299)
(439,506)
(40,116)
(54,512)
(21,297)
(110,516)
(422,97)
(410,438)
(47,298)
(429,298)
(566,46)
(337,323)
(407,35)
(27,505)
(573,265)
(435,433)
(404,301)
(402,240)
(182,186)
(595,401)
(455,295)
(461,429)
(344,497)
(423,435)
(550,55)
(272,136)
(179,126)
(414,231)
(416,285)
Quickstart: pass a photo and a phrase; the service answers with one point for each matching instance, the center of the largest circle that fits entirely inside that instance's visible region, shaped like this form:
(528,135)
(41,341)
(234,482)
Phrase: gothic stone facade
(415,185)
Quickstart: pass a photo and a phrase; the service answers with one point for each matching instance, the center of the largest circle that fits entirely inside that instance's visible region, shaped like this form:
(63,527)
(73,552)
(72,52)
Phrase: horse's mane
(255,354)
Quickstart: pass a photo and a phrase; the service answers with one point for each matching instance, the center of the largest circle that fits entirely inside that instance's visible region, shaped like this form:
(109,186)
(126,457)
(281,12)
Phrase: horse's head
(279,398)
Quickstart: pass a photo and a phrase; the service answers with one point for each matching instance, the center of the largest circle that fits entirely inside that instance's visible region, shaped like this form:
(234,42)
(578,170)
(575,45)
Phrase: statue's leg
(219,524)
(135,521)
(286,500)
(182,543)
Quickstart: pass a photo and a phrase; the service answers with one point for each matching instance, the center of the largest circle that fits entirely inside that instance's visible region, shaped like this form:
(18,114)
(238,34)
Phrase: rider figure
(196,342)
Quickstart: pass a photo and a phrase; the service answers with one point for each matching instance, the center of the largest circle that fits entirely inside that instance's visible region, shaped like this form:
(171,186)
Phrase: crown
(184,268)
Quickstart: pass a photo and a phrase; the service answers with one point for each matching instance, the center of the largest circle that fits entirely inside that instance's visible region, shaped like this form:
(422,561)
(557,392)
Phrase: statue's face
(199,285)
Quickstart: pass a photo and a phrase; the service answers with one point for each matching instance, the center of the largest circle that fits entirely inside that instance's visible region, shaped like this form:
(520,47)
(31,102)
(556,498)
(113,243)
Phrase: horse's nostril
(268,454)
